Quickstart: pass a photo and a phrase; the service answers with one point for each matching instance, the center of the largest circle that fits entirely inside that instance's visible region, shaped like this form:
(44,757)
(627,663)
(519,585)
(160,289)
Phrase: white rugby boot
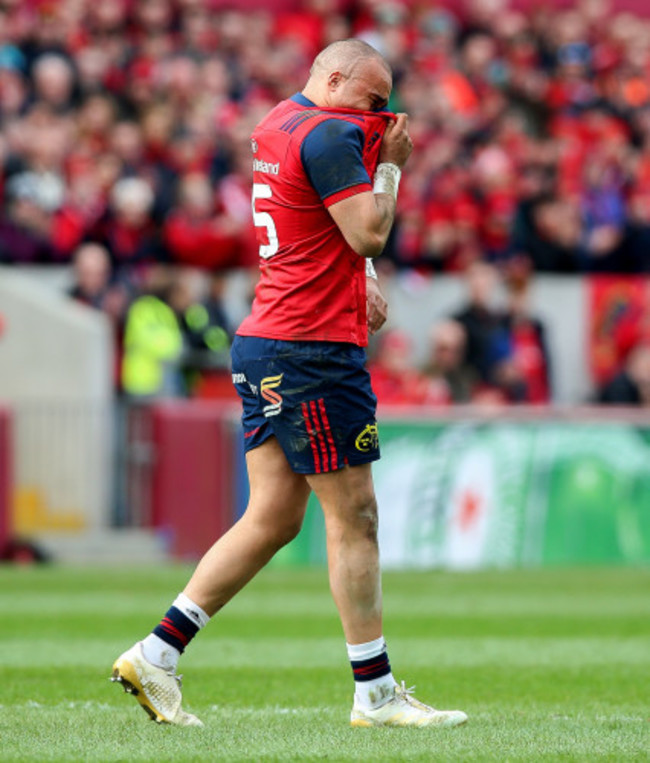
(156,689)
(404,710)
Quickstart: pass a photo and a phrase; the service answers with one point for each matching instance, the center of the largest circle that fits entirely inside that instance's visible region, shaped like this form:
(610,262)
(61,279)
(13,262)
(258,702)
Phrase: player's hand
(396,145)
(377,307)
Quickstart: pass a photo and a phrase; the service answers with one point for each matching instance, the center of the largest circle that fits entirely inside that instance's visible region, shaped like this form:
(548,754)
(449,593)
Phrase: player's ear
(334,80)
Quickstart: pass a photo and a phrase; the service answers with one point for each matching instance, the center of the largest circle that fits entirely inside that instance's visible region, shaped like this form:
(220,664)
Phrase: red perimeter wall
(194,486)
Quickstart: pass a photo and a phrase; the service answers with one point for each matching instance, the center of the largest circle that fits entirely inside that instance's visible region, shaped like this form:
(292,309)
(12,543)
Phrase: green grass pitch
(549,665)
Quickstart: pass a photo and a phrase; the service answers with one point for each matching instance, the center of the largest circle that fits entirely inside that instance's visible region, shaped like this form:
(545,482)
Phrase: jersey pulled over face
(312,283)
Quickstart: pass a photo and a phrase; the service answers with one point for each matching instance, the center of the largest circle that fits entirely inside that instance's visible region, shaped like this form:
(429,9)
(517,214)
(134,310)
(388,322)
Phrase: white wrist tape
(370,269)
(387,177)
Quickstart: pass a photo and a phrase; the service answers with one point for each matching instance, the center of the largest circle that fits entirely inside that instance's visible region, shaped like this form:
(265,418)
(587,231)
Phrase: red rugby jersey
(312,283)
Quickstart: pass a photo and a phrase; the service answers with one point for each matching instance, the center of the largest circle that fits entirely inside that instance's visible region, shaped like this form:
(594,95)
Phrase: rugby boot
(403,709)
(157,690)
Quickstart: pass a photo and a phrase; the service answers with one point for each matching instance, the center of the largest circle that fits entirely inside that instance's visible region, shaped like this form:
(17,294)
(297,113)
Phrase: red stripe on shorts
(328,432)
(312,440)
(321,439)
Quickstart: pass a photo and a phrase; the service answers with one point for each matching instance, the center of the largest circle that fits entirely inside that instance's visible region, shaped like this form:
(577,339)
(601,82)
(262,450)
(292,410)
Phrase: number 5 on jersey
(264,220)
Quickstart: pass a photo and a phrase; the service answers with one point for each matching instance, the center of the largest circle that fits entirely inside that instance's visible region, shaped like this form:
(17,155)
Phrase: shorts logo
(267,388)
(367,439)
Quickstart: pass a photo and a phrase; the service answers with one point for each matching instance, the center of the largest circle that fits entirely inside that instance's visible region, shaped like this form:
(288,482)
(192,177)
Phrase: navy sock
(372,668)
(176,629)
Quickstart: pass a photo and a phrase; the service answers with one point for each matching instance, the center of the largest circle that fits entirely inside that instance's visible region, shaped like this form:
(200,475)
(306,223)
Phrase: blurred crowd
(124,148)
(482,354)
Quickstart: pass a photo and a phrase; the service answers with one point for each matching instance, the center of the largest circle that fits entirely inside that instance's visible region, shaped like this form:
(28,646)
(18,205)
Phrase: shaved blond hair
(344,56)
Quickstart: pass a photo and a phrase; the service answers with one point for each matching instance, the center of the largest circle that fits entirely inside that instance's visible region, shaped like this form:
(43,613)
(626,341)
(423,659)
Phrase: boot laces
(407,695)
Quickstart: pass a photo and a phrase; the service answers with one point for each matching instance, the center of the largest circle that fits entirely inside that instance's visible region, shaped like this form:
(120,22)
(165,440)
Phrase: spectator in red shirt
(25,222)
(396,380)
(130,232)
(196,232)
(452,222)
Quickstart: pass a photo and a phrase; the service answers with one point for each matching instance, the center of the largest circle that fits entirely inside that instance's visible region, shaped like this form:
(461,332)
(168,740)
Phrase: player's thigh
(277,493)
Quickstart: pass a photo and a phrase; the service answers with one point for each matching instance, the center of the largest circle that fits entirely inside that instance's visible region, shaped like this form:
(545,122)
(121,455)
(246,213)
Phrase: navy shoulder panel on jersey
(332,155)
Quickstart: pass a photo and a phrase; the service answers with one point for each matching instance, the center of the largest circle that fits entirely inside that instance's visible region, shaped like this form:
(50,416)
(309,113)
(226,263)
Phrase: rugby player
(327,165)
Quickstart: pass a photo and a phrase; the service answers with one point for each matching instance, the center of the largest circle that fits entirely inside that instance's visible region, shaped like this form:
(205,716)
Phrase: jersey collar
(300,99)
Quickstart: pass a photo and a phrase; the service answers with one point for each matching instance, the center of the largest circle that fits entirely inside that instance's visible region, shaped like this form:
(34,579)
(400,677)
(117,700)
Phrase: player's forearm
(365,219)
(385,187)
(379,226)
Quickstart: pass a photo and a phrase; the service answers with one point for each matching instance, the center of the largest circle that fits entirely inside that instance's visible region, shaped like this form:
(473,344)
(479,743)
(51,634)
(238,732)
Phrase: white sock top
(191,610)
(365,651)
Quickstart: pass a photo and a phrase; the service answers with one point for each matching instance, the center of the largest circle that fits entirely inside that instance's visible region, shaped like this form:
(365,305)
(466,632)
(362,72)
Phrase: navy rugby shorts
(315,397)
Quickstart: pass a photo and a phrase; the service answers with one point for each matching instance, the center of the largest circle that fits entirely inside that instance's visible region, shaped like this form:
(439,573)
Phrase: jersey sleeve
(332,157)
